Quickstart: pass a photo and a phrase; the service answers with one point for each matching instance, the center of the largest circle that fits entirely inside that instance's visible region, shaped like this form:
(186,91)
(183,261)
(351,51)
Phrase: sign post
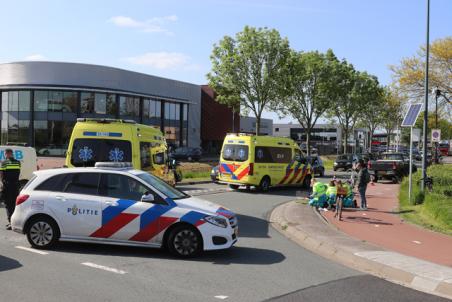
(436,138)
(409,121)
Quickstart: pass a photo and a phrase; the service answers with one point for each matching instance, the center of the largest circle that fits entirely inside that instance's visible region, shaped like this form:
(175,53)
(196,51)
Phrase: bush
(433,209)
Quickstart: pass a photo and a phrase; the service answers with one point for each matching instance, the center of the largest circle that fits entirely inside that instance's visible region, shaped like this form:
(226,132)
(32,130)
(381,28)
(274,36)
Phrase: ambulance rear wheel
(234,187)
(264,186)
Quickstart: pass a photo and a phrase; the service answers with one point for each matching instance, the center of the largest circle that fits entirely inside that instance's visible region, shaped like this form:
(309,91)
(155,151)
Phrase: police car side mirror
(147,197)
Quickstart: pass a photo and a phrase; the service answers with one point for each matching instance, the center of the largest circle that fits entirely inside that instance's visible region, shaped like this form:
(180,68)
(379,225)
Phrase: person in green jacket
(331,193)
(318,197)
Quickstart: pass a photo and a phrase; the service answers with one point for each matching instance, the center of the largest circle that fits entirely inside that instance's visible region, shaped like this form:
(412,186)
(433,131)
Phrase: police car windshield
(162,187)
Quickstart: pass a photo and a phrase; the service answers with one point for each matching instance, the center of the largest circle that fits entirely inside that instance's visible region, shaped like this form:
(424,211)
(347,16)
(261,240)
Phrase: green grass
(195,174)
(327,163)
(434,210)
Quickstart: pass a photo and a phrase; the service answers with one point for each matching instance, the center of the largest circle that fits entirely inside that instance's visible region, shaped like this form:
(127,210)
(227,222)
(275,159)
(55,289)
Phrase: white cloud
(35,57)
(154,25)
(162,60)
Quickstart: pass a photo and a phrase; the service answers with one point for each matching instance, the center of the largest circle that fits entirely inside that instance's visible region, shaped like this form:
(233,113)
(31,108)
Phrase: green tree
(371,114)
(349,99)
(250,69)
(392,112)
(311,89)
(409,75)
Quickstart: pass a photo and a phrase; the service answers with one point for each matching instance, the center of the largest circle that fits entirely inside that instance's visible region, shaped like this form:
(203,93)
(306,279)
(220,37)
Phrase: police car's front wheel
(42,232)
(184,241)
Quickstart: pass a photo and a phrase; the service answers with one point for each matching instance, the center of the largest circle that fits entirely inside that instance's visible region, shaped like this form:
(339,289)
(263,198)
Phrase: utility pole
(424,157)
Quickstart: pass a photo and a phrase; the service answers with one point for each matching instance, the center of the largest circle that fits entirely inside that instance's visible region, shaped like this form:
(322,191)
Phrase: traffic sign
(411,115)
(436,135)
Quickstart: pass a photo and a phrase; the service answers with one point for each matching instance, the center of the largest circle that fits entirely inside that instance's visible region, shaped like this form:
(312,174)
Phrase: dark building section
(216,120)
(40,102)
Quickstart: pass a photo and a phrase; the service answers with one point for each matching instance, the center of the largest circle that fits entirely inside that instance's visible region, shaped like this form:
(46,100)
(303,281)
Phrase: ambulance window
(159,158)
(235,152)
(297,155)
(273,155)
(145,155)
(86,152)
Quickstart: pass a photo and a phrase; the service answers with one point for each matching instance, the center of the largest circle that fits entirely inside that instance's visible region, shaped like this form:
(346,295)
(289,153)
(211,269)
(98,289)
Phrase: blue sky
(174,38)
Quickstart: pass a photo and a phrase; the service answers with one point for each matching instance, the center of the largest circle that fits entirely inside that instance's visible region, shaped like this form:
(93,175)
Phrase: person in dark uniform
(10,170)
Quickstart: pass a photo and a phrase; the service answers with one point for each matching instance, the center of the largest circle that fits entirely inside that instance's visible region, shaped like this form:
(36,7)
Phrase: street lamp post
(425,128)
(437,94)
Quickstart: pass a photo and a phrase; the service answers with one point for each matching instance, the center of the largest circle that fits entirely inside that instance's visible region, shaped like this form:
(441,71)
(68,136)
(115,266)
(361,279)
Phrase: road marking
(417,242)
(31,250)
(105,268)
(221,297)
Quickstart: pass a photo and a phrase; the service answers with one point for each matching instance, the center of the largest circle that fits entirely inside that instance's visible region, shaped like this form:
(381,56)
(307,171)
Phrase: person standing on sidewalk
(10,170)
(362,181)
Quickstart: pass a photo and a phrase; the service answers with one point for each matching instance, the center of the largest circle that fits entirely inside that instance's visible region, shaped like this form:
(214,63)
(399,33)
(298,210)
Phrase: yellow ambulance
(262,161)
(110,140)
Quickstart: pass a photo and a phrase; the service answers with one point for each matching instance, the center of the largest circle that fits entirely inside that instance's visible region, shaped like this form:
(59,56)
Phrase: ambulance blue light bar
(412,115)
(108,134)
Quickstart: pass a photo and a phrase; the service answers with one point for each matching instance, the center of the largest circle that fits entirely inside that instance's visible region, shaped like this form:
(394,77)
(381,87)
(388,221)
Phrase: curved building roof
(87,76)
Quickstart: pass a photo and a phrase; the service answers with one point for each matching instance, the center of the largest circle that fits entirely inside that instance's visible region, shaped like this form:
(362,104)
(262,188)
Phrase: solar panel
(411,115)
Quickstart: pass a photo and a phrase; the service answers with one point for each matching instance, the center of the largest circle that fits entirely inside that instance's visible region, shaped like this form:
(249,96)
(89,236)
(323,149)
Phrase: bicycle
(340,195)
(428,183)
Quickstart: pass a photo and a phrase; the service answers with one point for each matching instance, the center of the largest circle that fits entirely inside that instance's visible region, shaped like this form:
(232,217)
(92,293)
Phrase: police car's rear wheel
(185,241)
(42,233)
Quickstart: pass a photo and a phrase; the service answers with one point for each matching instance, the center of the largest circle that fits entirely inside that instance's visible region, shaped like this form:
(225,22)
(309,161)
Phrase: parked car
(316,165)
(53,150)
(186,153)
(390,165)
(215,173)
(344,161)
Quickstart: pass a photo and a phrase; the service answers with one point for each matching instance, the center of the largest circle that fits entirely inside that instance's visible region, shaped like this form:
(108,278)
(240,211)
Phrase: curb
(190,183)
(404,270)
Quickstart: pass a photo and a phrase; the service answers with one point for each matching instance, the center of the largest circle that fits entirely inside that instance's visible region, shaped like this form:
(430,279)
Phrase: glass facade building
(43,115)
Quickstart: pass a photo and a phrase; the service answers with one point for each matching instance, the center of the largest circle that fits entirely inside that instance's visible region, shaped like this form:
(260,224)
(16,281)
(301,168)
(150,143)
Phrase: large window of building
(185,124)
(16,116)
(45,118)
(52,137)
(98,104)
(152,112)
(129,108)
(172,123)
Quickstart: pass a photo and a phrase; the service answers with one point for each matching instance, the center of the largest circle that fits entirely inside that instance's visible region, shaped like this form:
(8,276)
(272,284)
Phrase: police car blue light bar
(113,165)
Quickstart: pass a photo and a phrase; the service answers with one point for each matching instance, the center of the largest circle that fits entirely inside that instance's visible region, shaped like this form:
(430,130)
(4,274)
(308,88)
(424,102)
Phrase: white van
(27,158)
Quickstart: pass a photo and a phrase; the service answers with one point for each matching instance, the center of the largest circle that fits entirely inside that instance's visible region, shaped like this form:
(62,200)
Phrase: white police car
(112,203)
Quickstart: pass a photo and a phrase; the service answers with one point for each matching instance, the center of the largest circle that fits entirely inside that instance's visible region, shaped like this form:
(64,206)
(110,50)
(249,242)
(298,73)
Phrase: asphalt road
(263,265)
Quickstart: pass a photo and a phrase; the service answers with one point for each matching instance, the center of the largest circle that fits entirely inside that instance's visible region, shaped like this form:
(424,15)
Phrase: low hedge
(429,209)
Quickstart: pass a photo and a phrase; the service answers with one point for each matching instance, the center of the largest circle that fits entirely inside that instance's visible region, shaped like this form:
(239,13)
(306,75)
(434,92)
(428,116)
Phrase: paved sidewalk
(381,225)
(304,225)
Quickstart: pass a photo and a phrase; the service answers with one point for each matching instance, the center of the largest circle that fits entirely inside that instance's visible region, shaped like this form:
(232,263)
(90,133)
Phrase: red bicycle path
(382,225)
